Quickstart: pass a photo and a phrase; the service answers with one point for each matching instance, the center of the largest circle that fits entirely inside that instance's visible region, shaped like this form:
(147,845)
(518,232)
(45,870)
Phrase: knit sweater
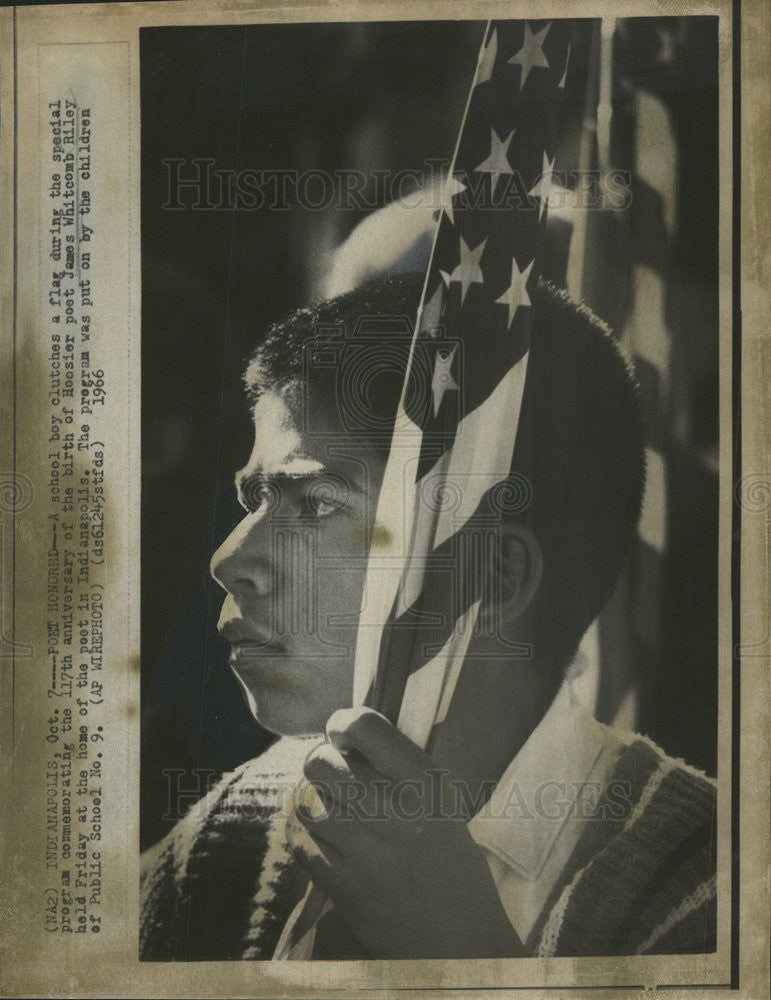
(641,878)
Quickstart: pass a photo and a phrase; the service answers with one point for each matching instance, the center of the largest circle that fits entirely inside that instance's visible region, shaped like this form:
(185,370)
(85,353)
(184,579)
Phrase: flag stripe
(429,685)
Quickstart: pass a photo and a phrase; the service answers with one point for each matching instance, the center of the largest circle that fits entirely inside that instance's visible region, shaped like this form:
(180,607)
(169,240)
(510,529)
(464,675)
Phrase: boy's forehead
(280,440)
(294,439)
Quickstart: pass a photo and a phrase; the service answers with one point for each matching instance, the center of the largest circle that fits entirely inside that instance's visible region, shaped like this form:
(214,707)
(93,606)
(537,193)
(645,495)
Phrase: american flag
(450,461)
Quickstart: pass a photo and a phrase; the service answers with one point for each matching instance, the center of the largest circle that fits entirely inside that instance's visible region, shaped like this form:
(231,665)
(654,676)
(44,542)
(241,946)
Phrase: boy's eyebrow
(295,466)
(243,479)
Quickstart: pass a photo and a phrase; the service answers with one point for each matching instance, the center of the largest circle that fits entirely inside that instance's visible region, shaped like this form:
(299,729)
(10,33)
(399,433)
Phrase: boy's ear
(514,577)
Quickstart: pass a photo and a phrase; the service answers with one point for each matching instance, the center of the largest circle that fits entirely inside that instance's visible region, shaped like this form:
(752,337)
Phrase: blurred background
(226,250)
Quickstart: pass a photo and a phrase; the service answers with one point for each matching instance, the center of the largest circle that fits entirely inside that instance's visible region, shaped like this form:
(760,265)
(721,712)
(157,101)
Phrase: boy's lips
(248,643)
(250,652)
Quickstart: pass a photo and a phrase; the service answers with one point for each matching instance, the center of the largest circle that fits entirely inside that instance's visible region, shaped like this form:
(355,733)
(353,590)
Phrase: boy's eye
(256,496)
(321,498)
(326,496)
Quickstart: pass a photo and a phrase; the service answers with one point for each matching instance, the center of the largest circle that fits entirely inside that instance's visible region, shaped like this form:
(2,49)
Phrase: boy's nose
(242,562)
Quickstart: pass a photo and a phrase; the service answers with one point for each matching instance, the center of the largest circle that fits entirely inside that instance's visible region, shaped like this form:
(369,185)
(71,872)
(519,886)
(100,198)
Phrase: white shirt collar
(534,799)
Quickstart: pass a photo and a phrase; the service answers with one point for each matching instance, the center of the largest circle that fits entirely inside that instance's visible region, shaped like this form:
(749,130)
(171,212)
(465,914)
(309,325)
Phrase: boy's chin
(285,720)
(282,729)
(281,714)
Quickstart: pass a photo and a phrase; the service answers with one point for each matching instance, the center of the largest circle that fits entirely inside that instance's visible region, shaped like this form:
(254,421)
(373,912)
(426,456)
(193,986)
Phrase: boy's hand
(390,851)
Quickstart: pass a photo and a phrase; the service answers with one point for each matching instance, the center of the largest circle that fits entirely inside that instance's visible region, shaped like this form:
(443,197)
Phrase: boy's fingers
(326,767)
(316,858)
(370,734)
(343,787)
(315,800)
(339,838)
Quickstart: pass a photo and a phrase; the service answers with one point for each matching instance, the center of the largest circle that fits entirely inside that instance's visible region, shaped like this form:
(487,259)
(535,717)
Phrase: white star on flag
(497,163)
(516,295)
(468,272)
(531,54)
(543,187)
(451,187)
(442,381)
(487,58)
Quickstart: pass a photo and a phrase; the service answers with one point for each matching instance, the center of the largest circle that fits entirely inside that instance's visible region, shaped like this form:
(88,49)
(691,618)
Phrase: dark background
(390,97)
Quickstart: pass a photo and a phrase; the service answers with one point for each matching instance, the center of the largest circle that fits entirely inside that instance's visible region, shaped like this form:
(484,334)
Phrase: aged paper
(154,157)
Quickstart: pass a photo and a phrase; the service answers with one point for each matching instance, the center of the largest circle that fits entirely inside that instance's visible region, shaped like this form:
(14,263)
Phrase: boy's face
(294,566)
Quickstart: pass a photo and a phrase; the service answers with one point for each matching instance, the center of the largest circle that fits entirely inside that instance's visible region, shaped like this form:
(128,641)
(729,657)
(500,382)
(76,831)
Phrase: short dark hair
(579,448)
(378,319)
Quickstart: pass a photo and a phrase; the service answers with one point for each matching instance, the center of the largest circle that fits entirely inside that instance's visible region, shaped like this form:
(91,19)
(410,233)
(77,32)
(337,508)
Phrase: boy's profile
(526,828)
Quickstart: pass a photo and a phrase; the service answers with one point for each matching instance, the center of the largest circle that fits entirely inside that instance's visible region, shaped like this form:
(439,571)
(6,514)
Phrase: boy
(528,829)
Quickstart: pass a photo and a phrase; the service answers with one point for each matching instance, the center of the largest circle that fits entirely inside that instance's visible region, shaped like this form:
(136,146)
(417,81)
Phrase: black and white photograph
(385,514)
(430,470)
